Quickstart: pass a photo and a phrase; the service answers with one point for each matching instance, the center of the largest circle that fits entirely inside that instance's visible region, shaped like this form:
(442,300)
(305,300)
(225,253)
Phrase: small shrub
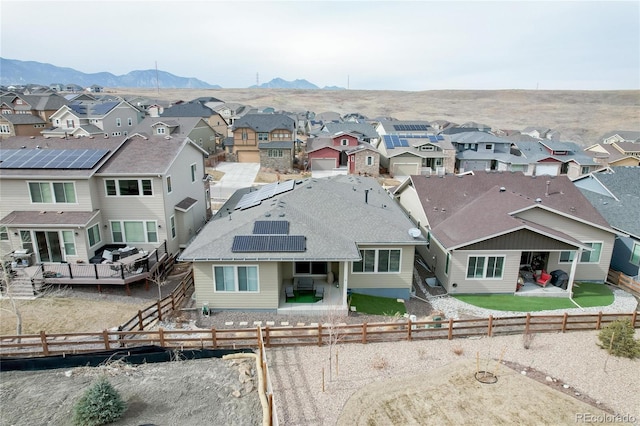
(380,363)
(458,350)
(527,339)
(100,404)
(618,339)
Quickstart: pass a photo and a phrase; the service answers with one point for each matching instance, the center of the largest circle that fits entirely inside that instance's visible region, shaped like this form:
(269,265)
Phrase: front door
(48,246)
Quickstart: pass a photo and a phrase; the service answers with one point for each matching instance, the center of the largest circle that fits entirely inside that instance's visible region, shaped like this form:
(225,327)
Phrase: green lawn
(375,305)
(585,294)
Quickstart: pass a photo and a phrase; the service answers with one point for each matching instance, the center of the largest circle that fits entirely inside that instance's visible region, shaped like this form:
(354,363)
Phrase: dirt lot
(580,116)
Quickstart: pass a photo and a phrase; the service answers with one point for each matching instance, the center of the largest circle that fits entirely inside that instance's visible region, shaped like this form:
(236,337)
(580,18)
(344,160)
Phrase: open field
(580,116)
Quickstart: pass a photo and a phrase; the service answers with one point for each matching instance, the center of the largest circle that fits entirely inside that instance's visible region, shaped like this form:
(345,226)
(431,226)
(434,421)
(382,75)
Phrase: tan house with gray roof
(484,227)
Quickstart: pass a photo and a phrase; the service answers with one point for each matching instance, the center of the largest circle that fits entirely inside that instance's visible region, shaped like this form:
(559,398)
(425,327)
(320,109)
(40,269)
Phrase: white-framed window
(635,254)
(93,234)
(5,129)
(588,256)
(310,268)
(69,243)
(52,192)
(134,231)
(275,153)
(130,121)
(369,160)
(160,131)
(118,122)
(263,136)
(116,133)
(169,187)
(128,187)
(378,261)
(172,223)
(479,267)
(25,239)
(70,124)
(245,135)
(344,142)
(488,146)
(236,279)
(193,172)
(427,148)
(4,233)
(584,170)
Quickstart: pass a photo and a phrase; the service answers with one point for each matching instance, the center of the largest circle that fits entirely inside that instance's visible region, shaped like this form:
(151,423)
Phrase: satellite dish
(415,232)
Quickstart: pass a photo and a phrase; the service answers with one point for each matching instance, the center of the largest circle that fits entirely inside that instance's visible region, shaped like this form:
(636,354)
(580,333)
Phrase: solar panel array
(50,158)
(254,198)
(268,243)
(271,227)
(411,127)
(393,141)
(420,136)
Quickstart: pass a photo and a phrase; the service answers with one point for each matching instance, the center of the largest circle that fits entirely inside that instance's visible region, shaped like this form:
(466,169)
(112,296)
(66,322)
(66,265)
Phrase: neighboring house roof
(627,147)
(472,207)
(181,126)
(89,129)
(188,109)
(18,142)
(476,137)
(315,144)
(364,129)
(145,156)
(276,145)
(23,119)
(621,207)
(265,122)
(534,151)
(627,135)
(86,109)
(328,212)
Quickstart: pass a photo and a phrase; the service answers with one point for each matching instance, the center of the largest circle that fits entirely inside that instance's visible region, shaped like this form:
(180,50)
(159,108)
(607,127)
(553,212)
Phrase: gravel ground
(571,359)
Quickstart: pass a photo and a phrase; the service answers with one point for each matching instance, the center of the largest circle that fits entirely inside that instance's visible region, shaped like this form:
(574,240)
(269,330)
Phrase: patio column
(345,272)
(572,274)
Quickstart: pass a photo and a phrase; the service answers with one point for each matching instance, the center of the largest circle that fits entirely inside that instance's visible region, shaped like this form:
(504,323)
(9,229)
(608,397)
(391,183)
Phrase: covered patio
(332,303)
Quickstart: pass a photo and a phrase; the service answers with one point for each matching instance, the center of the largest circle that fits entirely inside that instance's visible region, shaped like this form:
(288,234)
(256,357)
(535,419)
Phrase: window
(344,142)
(5,129)
(172,223)
(118,122)
(193,173)
(381,260)
(263,136)
(584,170)
(635,253)
(70,124)
(25,238)
(69,243)
(245,136)
(130,121)
(588,256)
(275,153)
(160,131)
(116,134)
(236,278)
(310,268)
(169,187)
(4,233)
(126,187)
(446,264)
(369,160)
(52,192)
(93,233)
(488,146)
(485,267)
(134,232)
(427,148)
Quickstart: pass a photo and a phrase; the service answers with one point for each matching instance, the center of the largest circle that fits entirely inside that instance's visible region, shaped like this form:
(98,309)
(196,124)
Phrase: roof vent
(538,200)
(281,215)
(502,189)
(267,215)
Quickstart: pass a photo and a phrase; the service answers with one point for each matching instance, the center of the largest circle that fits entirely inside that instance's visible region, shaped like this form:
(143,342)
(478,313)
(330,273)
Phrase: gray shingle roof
(364,129)
(276,145)
(188,109)
(23,119)
(265,122)
(624,184)
(52,218)
(331,213)
(183,125)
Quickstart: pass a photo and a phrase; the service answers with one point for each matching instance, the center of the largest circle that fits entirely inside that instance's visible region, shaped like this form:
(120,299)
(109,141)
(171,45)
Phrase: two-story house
(481,151)
(94,118)
(342,152)
(405,154)
(27,115)
(62,200)
(203,108)
(268,139)
(553,158)
(195,128)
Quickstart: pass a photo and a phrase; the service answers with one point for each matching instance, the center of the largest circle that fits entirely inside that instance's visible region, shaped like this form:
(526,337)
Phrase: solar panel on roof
(51,158)
(388,142)
(433,138)
(404,143)
(254,198)
(268,243)
(271,227)
(440,137)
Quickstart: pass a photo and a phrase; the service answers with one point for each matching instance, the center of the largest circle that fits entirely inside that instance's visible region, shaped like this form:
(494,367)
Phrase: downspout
(572,276)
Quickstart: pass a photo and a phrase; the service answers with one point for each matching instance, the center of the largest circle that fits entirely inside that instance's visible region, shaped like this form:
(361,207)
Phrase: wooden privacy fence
(621,280)
(67,343)
(161,309)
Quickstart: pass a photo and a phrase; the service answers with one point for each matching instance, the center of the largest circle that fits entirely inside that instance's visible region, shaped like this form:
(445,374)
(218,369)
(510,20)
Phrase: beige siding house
(315,230)
(486,228)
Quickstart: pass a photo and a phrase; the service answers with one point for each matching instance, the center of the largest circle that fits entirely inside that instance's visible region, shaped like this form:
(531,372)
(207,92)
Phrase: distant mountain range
(30,72)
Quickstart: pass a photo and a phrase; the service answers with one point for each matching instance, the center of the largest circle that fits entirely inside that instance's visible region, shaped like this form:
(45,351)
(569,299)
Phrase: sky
(364,45)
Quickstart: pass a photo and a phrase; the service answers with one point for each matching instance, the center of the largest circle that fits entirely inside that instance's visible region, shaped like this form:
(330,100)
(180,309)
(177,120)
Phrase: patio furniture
(305,285)
(289,292)
(319,294)
(543,279)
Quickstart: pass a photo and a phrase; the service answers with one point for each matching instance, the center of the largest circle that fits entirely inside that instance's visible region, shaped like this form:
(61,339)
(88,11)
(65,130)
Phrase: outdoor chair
(289,292)
(319,295)
(543,279)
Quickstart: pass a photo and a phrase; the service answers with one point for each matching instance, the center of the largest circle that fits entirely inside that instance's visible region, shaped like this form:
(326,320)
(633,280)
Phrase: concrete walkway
(236,176)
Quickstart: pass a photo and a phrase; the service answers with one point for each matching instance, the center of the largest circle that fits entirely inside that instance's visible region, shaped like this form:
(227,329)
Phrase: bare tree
(160,280)
(331,320)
